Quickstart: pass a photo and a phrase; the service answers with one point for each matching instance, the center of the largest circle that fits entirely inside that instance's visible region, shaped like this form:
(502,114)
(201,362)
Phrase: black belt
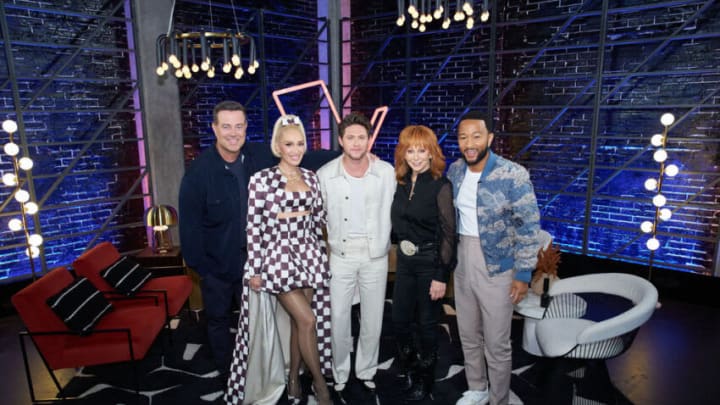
(409,248)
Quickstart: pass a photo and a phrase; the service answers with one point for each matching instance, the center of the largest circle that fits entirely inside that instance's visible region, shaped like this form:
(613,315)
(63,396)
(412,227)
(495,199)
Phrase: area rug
(181,372)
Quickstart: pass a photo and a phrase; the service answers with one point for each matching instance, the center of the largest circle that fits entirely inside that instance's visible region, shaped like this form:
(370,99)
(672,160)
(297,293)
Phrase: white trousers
(351,273)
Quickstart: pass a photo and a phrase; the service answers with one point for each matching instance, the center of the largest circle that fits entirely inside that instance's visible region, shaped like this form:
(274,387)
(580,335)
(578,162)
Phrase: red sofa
(91,263)
(124,334)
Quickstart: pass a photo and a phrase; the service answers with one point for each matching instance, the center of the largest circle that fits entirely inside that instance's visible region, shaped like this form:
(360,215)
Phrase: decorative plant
(547,266)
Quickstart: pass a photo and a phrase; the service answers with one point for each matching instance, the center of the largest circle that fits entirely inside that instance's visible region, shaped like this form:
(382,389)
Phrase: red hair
(424,137)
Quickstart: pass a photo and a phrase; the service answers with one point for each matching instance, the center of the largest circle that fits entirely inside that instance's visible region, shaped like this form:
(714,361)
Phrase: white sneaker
(474,397)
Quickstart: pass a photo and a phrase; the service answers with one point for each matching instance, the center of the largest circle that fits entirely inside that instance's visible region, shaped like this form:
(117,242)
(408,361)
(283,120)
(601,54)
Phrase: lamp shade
(161,215)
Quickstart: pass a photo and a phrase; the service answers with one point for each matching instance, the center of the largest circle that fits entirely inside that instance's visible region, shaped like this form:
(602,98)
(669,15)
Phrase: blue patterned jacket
(507,214)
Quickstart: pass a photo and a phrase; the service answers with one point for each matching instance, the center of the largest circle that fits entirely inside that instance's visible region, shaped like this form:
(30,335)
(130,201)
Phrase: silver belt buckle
(408,248)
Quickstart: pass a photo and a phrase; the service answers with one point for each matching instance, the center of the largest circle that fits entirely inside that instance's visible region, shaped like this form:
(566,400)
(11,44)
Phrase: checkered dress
(287,253)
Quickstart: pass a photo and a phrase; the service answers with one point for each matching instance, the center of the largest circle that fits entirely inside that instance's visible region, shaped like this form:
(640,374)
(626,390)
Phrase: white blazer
(335,189)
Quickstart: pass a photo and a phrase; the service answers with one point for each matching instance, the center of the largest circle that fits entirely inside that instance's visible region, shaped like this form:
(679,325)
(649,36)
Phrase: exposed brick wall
(289,28)
(555,144)
(72,122)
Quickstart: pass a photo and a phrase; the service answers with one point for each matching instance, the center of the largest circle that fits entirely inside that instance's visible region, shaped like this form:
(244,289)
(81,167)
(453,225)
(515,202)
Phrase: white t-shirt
(356,221)
(466,203)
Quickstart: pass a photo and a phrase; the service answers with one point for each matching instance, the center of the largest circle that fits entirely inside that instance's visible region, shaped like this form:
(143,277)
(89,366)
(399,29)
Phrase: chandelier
(192,52)
(423,12)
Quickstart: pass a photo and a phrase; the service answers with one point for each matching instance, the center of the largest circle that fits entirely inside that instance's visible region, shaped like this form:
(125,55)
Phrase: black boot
(407,357)
(423,382)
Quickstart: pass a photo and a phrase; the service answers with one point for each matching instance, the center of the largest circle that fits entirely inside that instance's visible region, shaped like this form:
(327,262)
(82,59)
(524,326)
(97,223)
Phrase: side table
(161,264)
(171,263)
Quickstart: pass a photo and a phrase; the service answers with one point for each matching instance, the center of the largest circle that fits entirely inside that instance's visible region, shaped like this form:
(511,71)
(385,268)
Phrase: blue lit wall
(81,128)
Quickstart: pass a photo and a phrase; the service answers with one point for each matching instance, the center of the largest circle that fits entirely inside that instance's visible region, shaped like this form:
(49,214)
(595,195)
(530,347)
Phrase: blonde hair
(422,136)
(285,121)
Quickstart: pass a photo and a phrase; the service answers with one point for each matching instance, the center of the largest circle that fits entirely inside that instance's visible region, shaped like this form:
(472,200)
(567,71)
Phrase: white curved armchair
(586,339)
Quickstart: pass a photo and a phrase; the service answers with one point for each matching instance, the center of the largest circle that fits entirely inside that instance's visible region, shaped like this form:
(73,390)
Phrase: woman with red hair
(423,220)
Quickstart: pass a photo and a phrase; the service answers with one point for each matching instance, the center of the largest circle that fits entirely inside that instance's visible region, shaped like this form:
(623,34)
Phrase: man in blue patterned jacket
(498,223)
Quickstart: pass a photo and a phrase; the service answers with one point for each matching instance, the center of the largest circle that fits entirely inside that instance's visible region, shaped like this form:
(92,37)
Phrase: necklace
(289,177)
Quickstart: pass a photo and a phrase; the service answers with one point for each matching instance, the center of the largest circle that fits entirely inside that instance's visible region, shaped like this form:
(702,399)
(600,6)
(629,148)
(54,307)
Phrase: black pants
(218,297)
(412,303)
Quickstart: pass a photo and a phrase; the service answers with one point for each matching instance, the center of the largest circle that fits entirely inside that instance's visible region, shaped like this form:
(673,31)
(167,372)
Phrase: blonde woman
(286,259)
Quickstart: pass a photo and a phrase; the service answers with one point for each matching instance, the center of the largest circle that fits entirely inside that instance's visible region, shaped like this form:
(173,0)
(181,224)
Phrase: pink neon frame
(378,115)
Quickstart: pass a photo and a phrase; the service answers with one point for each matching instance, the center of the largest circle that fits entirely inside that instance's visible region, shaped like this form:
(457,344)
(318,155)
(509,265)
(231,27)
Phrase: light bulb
(421,28)
(251,69)
(173,59)
(412,11)
(659,200)
(211,73)
(9,179)
(469,23)
(235,60)
(226,67)
(665,214)
(459,16)
(657,140)
(195,68)
(646,226)
(165,66)
(256,64)
(9,126)
(414,24)
(178,73)
(11,148)
(185,69)
(15,224)
(31,208)
(35,240)
(667,119)
(467,8)
(446,23)
(187,75)
(660,155)
(160,71)
(438,12)
(33,252)
(671,170)
(25,163)
(239,73)
(484,16)
(652,244)
(651,184)
(22,196)
(205,65)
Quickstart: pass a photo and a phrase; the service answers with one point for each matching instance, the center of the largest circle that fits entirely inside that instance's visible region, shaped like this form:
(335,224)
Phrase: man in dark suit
(213,215)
